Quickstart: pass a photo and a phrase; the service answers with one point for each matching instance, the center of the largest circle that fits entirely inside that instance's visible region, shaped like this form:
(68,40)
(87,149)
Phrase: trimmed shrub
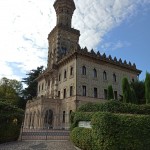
(147,88)
(120,132)
(80,116)
(115,106)
(82,138)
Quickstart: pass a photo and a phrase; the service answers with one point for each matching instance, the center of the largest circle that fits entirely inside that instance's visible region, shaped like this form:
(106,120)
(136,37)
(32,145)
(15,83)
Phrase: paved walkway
(38,145)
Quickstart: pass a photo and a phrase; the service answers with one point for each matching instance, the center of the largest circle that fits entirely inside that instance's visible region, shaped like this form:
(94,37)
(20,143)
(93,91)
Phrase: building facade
(74,76)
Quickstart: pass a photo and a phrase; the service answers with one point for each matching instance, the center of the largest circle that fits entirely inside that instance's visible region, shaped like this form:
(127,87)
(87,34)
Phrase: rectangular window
(48,82)
(63,120)
(59,78)
(39,88)
(64,93)
(115,95)
(83,90)
(105,94)
(42,86)
(71,71)
(71,90)
(59,94)
(95,92)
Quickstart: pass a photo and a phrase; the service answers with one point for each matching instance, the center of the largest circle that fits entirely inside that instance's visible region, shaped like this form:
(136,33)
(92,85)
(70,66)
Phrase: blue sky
(116,27)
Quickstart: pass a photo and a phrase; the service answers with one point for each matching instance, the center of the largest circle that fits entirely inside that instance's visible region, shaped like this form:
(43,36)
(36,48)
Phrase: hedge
(82,138)
(120,132)
(80,116)
(115,106)
(10,122)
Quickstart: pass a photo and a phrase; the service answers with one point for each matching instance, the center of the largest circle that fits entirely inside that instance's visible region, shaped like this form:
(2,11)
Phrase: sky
(119,28)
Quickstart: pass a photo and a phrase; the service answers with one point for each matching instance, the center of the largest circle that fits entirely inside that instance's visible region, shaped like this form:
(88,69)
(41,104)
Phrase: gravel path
(38,145)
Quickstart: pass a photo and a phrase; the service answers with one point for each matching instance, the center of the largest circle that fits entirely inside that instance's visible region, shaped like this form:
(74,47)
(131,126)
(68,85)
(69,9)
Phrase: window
(71,71)
(114,77)
(39,88)
(95,92)
(83,90)
(59,78)
(63,120)
(65,74)
(105,94)
(64,93)
(59,94)
(94,73)
(115,95)
(104,75)
(132,79)
(71,90)
(70,115)
(48,82)
(42,86)
(83,70)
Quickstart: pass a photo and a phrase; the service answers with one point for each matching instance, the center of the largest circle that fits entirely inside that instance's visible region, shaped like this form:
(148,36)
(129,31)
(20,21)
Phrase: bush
(120,132)
(80,116)
(115,106)
(82,138)
(10,122)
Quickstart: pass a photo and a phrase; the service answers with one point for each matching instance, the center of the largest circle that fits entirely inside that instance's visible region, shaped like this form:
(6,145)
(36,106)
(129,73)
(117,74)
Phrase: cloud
(26,24)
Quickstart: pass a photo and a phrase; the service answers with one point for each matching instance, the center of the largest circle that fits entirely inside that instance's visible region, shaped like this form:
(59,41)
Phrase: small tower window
(104,75)
(114,77)
(71,71)
(83,70)
(71,90)
(83,90)
(59,77)
(95,92)
(65,74)
(95,73)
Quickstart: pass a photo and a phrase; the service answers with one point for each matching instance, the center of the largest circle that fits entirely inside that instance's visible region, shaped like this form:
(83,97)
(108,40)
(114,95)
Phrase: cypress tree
(126,91)
(147,88)
(110,92)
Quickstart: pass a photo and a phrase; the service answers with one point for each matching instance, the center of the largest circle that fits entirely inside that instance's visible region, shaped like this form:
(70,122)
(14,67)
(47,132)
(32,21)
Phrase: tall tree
(126,90)
(10,90)
(139,89)
(110,92)
(147,88)
(31,90)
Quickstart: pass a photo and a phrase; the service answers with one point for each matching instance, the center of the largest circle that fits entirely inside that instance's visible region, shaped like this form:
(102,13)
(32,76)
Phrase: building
(74,76)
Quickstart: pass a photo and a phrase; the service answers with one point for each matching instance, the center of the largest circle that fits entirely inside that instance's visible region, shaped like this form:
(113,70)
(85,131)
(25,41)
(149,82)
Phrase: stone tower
(63,37)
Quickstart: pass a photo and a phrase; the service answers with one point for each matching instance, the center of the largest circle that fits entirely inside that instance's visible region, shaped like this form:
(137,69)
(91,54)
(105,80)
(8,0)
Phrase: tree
(139,89)
(133,97)
(31,90)
(10,90)
(126,90)
(147,88)
(110,92)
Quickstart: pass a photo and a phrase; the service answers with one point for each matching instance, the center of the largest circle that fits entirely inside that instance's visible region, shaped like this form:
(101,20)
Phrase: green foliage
(10,122)
(115,106)
(110,92)
(10,90)
(117,132)
(126,90)
(82,138)
(147,88)
(133,97)
(139,89)
(31,90)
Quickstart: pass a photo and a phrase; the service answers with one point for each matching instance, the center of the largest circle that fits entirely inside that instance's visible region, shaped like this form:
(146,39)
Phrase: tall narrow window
(64,93)
(59,78)
(83,90)
(114,77)
(63,120)
(71,71)
(42,86)
(95,92)
(132,79)
(95,73)
(83,70)
(39,88)
(65,74)
(59,94)
(71,90)
(115,95)
(48,82)
(104,75)
(105,93)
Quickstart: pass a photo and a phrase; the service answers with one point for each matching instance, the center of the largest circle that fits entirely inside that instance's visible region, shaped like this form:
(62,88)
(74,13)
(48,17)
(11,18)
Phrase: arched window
(114,77)
(48,119)
(83,70)
(104,75)
(95,73)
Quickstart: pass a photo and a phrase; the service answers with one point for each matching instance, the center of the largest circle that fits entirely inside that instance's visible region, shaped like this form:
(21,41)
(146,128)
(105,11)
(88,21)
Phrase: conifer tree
(110,92)
(147,88)
(126,91)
